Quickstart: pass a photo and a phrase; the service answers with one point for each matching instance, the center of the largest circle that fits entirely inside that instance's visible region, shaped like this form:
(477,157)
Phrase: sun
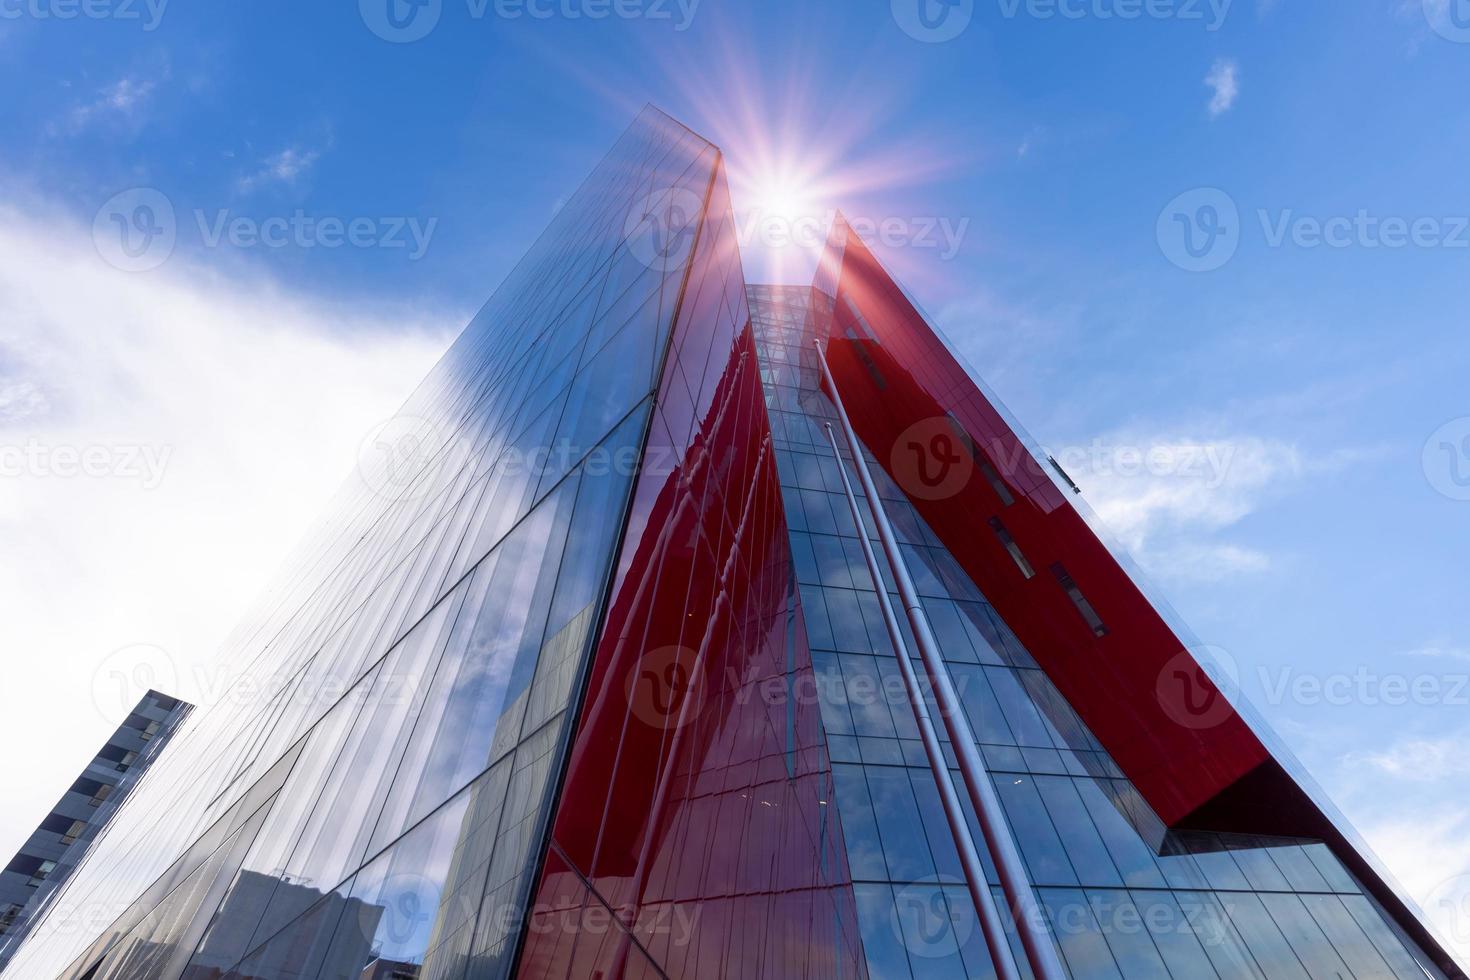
(785,198)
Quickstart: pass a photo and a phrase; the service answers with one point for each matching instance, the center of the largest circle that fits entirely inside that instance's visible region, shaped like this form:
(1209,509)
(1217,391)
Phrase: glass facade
(374,788)
(1125,896)
(584,677)
(695,836)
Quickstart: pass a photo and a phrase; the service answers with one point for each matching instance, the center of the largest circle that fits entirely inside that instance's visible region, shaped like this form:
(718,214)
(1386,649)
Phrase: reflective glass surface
(1124,896)
(584,676)
(370,795)
(695,837)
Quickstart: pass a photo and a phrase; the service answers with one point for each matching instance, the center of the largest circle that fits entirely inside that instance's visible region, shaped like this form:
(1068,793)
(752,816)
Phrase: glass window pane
(1077,932)
(898,820)
(1127,936)
(1305,937)
(1365,914)
(1031,824)
(1218,936)
(1347,937)
(859,825)
(882,945)
(1260,932)
(1084,847)
(1173,935)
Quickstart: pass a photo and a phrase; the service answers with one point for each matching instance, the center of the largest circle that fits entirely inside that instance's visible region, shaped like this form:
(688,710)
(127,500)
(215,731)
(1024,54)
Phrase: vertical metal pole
(1031,924)
(954,813)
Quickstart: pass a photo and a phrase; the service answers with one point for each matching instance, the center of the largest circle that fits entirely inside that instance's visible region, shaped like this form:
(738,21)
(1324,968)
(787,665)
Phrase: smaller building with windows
(62,838)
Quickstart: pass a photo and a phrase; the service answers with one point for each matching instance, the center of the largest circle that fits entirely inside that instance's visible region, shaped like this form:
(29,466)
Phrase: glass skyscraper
(589,675)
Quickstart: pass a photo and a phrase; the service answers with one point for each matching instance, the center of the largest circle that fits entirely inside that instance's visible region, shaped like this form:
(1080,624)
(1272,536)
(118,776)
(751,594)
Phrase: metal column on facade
(959,827)
(1029,918)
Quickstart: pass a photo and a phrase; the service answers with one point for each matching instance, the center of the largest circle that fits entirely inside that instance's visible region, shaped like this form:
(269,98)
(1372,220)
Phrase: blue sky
(1304,398)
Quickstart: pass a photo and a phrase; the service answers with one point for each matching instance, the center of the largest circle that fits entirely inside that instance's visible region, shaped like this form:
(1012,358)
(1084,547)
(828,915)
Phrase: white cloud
(20,400)
(252,399)
(1439,652)
(1224,82)
(1165,497)
(1425,845)
(120,101)
(1424,760)
(1168,498)
(285,167)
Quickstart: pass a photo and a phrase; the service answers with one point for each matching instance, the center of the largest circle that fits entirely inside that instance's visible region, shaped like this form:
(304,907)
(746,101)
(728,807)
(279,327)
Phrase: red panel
(694,805)
(1176,736)
(1113,681)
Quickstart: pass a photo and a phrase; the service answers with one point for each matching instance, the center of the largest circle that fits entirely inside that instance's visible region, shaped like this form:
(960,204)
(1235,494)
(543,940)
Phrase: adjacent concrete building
(49,854)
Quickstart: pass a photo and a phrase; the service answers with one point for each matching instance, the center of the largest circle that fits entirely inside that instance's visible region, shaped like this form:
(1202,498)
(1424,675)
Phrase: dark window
(996,483)
(1009,543)
(23,864)
(86,787)
(121,758)
(34,868)
(67,828)
(7,918)
(860,321)
(57,823)
(165,702)
(1080,600)
(144,726)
